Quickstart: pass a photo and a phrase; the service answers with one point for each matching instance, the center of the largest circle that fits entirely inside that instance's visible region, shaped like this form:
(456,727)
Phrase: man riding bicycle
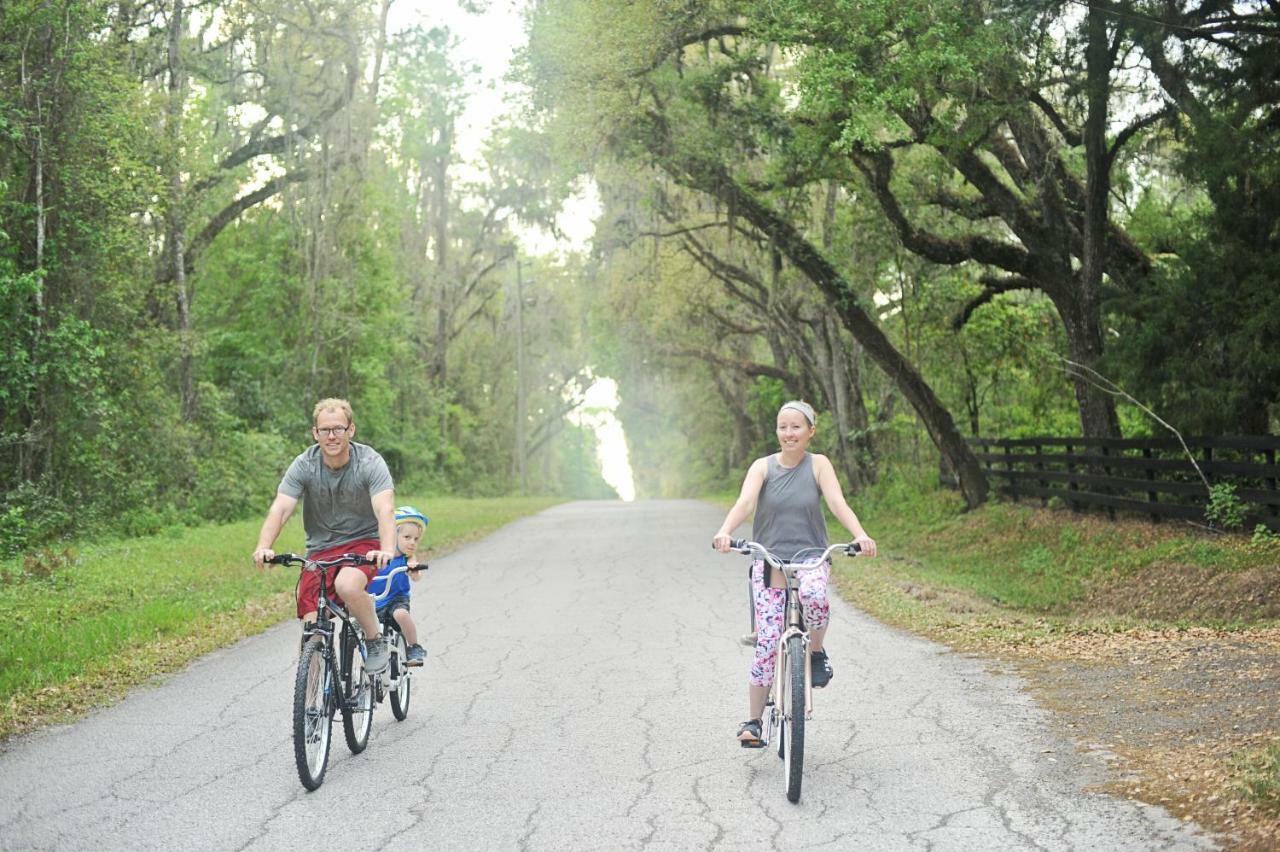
(348,506)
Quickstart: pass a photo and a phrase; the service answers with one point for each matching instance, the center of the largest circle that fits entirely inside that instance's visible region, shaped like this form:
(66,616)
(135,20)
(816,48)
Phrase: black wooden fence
(1152,476)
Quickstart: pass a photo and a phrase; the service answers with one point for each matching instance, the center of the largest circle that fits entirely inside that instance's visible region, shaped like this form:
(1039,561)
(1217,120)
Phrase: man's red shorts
(309,582)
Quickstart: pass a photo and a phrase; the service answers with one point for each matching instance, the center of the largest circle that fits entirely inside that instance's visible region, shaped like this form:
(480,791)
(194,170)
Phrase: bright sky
(490,40)
(597,414)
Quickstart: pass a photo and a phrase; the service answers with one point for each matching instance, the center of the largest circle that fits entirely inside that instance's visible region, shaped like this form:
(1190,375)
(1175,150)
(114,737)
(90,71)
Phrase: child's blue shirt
(399,583)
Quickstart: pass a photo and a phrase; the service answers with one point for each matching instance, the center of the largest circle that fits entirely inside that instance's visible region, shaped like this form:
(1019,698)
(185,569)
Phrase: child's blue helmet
(410,515)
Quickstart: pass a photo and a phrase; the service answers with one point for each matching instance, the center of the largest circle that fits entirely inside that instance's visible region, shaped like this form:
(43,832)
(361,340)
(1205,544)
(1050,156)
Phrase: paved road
(581,692)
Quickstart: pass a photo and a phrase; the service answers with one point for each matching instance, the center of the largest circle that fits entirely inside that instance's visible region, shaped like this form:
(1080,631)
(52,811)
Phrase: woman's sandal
(749,735)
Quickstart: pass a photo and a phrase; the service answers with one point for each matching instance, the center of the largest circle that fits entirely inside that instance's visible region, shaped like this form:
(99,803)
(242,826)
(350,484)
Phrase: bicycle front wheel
(357,694)
(400,673)
(793,713)
(313,706)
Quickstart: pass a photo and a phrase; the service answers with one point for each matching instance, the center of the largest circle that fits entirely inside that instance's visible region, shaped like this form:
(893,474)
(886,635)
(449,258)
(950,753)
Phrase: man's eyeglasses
(330,431)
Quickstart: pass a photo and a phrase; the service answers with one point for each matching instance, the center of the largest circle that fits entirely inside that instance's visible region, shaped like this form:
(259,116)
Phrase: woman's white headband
(804,408)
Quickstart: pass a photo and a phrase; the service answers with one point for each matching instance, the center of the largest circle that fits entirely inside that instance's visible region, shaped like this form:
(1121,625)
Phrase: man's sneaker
(377,654)
(417,655)
(822,672)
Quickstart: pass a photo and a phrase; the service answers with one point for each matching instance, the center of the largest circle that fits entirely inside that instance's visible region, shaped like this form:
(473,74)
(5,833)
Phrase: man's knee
(350,581)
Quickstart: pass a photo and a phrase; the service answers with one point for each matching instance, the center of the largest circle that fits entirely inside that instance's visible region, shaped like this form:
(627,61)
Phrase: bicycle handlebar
(741,545)
(296,559)
(346,559)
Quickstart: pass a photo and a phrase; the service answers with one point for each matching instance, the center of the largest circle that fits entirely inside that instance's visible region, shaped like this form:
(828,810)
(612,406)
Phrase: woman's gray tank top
(789,509)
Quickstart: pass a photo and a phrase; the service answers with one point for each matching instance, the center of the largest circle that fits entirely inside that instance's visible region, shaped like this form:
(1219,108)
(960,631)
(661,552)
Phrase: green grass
(84,625)
(1016,568)
(1258,777)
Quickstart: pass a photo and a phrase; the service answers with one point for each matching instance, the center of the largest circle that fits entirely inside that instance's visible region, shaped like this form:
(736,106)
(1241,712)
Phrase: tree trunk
(440,191)
(1097,410)
(715,180)
(1084,340)
(743,429)
(176,226)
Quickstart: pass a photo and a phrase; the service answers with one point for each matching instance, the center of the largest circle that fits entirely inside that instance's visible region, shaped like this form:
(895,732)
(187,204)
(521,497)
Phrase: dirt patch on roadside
(1173,591)
(1178,708)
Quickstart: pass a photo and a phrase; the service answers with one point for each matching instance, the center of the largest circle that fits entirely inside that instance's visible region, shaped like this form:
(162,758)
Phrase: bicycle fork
(806,661)
(795,627)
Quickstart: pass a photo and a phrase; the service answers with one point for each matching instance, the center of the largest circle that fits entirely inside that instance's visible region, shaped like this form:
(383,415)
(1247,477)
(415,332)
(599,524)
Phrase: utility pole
(520,400)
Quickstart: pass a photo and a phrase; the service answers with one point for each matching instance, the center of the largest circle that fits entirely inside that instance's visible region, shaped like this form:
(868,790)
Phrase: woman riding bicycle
(784,491)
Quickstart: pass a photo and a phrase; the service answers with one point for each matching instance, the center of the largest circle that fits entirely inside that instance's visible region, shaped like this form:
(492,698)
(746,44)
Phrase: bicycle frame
(324,626)
(793,619)
(328,611)
(787,711)
(326,680)
(795,626)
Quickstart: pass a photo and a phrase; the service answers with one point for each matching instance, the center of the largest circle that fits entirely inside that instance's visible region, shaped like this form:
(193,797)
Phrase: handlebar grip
(283,558)
(737,543)
(853,548)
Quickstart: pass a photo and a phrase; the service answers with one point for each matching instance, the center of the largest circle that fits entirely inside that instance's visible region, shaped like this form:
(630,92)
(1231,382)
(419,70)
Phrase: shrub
(1225,509)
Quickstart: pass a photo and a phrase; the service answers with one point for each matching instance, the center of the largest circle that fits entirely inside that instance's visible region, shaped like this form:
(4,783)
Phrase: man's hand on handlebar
(380,557)
(262,556)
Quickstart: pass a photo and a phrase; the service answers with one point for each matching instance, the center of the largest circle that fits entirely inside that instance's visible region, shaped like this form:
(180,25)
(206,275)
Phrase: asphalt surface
(582,689)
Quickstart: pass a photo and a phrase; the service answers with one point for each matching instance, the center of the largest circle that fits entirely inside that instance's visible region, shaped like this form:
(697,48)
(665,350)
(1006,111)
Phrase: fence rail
(1152,476)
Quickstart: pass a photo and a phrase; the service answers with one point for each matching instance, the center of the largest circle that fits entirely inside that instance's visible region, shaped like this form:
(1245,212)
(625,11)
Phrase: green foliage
(1225,509)
(374,271)
(328,286)
(1264,536)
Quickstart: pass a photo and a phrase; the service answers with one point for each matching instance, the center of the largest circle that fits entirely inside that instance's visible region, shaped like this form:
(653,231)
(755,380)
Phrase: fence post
(1272,508)
(1008,465)
(1111,510)
(1152,496)
(1072,485)
(1044,484)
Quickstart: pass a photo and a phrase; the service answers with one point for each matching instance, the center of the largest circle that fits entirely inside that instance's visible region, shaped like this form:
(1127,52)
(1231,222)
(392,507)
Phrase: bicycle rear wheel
(313,707)
(792,733)
(400,673)
(357,694)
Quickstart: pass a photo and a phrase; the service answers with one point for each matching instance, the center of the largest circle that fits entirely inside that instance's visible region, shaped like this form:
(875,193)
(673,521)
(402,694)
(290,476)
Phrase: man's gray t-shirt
(336,504)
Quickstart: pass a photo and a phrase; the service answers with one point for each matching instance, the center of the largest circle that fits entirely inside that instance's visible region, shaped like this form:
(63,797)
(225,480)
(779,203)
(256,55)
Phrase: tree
(1198,337)
(697,105)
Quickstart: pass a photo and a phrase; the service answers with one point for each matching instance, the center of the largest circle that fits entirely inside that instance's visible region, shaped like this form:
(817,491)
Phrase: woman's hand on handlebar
(866,545)
(722,542)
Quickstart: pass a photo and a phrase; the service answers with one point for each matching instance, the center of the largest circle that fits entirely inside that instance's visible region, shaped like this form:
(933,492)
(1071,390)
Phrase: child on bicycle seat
(786,491)
(410,526)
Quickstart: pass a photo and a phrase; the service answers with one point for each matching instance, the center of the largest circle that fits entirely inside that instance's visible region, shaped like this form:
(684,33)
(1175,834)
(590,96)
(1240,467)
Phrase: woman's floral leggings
(770,619)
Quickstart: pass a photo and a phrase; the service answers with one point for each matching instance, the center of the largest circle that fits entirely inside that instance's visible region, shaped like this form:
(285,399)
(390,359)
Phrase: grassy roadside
(85,624)
(1161,641)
